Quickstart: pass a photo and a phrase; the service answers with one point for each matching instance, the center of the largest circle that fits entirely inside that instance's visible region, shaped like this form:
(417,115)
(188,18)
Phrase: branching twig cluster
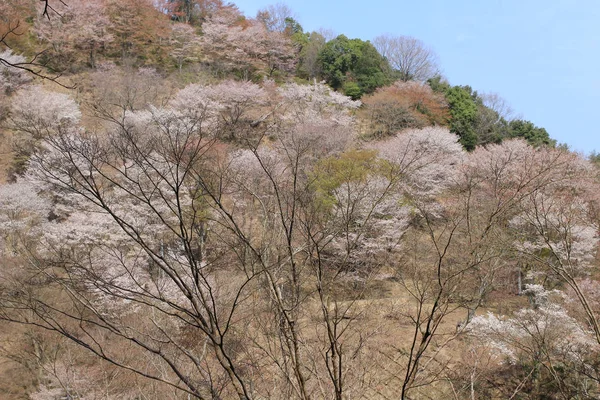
(33,66)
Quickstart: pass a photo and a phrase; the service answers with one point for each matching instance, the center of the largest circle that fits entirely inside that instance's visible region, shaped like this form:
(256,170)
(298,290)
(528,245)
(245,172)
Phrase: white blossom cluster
(545,329)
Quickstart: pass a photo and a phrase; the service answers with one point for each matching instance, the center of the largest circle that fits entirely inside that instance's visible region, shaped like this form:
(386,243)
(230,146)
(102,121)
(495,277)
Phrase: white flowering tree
(39,112)
(223,244)
(232,105)
(36,113)
(556,231)
(12,78)
(545,196)
(80,26)
(185,43)
(242,43)
(555,350)
(302,103)
(128,238)
(155,216)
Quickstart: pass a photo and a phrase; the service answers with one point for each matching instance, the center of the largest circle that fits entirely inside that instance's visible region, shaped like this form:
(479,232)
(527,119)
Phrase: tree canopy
(345,61)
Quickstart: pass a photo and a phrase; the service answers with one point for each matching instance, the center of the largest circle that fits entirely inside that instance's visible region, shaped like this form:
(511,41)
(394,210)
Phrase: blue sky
(542,57)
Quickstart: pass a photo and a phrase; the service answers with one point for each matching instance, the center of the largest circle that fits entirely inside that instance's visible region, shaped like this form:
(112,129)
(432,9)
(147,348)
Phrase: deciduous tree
(80,26)
(404,105)
(408,56)
(185,43)
(276,17)
(243,44)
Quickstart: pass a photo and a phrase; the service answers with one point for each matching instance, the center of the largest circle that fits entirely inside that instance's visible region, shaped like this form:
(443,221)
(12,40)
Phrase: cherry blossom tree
(12,78)
(143,247)
(20,218)
(242,43)
(39,112)
(556,231)
(316,101)
(79,26)
(185,44)
(544,196)
(156,216)
(13,27)
(232,105)
(428,158)
(231,241)
(548,342)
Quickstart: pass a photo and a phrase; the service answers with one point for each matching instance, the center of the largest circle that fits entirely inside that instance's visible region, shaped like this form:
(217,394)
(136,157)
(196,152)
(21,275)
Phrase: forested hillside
(200,204)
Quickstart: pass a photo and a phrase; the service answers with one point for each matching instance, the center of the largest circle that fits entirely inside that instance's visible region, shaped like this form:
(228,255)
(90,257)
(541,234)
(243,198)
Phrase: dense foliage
(354,66)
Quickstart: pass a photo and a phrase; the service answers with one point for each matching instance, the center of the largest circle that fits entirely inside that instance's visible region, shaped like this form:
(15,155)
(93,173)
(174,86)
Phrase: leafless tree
(275,17)
(499,105)
(409,56)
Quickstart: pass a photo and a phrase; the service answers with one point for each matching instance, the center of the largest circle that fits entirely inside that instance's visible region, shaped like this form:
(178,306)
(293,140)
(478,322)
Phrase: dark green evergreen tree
(344,60)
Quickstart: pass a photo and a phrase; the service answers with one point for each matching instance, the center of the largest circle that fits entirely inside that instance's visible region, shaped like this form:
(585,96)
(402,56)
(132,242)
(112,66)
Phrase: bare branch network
(31,66)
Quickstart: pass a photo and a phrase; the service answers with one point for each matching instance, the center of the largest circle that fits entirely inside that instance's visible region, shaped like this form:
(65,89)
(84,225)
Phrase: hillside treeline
(199,204)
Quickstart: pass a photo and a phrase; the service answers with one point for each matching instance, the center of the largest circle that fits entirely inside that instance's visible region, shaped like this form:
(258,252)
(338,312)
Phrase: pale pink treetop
(243,41)
(427,159)
(548,191)
(82,24)
(317,100)
(547,328)
(40,112)
(185,43)
(228,100)
(21,206)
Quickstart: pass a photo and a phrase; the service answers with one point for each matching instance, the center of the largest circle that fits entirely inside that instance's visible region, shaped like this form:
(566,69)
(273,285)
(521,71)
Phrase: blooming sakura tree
(544,339)
(229,104)
(39,112)
(556,231)
(545,195)
(239,107)
(242,43)
(202,241)
(145,247)
(463,226)
(230,240)
(186,45)
(22,210)
(428,159)
(12,78)
(308,102)
(83,25)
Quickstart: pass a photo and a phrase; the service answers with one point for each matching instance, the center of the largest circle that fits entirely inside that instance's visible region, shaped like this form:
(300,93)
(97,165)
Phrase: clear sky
(541,56)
